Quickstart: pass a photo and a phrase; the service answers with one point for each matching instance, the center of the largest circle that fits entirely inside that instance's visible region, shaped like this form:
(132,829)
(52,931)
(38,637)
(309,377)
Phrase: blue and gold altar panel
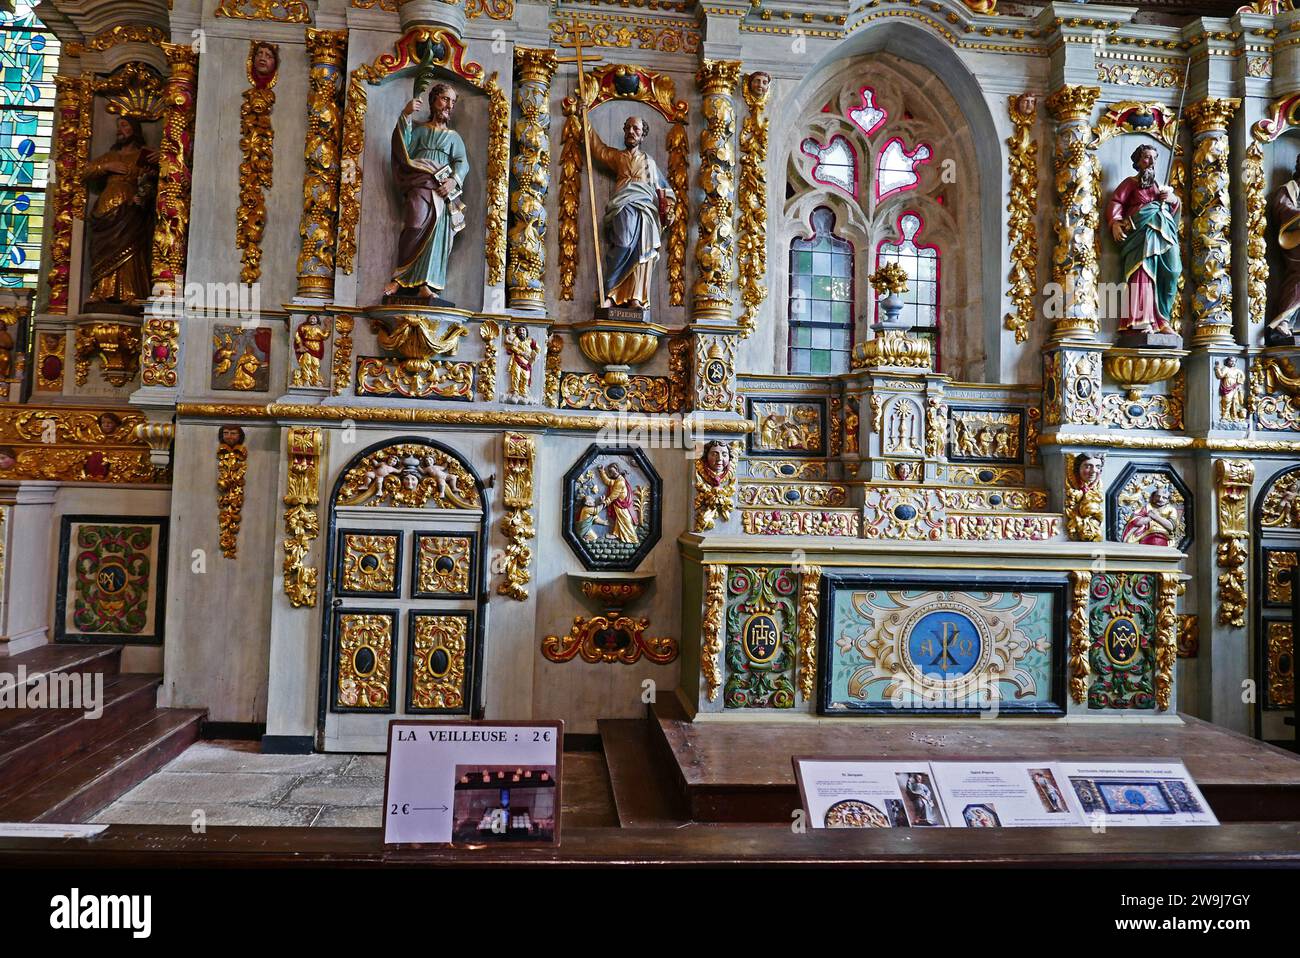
(1122,623)
(934,646)
(111,579)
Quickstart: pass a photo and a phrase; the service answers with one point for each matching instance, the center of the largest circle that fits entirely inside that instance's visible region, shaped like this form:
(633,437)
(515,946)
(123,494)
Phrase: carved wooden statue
(1285,207)
(635,215)
(1143,217)
(429,167)
(121,222)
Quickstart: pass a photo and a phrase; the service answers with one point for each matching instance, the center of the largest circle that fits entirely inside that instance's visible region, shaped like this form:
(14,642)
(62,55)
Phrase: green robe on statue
(425,242)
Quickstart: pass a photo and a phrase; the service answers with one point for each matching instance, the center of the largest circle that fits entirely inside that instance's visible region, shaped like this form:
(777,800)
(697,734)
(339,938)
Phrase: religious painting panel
(902,645)
(612,501)
(1122,625)
(370,562)
(761,653)
(444,565)
(112,579)
(1149,504)
(437,670)
(361,672)
(241,358)
(787,427)
(995,436)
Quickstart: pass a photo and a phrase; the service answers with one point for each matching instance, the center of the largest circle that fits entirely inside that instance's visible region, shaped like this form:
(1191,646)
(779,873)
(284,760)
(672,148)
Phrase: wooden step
(59,658)
(77,787)
(637,776)
(36,738)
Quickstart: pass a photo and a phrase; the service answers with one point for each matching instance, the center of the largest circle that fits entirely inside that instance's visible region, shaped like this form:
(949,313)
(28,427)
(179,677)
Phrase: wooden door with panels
(405,597)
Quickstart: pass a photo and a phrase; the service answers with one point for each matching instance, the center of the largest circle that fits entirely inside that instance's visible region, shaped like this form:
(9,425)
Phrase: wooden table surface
(129,846)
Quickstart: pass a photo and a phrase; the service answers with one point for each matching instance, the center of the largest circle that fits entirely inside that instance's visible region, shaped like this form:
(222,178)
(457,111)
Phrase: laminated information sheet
(852,793)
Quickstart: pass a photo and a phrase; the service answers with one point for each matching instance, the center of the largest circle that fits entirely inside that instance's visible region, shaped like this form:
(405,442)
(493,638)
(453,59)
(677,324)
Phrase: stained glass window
(29,56)
(836,163)
(921,263)
(821,299)
(897,171)
(868,117)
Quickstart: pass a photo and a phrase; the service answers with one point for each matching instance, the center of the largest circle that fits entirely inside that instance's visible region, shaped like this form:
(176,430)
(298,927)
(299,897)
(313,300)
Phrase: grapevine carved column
(326,53)
(715,244)
(1211,212)
(1074,258)
(161,338)
(530,172)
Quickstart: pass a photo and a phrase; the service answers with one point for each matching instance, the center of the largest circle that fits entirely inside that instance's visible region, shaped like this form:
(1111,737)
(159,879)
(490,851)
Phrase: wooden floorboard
(124,846)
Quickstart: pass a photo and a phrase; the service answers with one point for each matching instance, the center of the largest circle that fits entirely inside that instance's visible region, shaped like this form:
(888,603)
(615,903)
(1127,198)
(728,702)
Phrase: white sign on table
(473,783)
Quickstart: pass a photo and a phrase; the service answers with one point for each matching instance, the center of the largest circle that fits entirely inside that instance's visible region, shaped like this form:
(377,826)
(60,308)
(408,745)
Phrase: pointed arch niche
(921,151)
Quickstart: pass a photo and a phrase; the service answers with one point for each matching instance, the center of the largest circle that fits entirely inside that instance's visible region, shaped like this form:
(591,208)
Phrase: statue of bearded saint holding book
(429,167)
(1143,219)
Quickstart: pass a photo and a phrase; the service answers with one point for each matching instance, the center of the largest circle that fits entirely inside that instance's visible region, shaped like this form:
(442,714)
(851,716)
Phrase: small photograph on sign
(499,804)
(474,784)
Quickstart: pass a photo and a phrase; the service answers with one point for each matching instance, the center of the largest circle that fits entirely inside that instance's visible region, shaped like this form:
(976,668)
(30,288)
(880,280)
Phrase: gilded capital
(1072,103)
(1212,114)
(533,65)
(718,77)
(329,47)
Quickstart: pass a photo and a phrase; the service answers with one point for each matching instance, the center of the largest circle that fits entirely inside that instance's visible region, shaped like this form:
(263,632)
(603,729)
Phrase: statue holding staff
(1143,217)
(635,214)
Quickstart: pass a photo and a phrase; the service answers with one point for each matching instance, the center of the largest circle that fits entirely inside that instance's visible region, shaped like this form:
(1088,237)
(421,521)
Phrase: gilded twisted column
(715,244)
(531,174)
(1211,212)
(326,54)
(71,99)
(1074,256)
(161,336)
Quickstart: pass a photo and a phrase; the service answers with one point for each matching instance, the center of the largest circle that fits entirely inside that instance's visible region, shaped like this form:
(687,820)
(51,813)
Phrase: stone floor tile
(212,788)
(338,792)
(349,818)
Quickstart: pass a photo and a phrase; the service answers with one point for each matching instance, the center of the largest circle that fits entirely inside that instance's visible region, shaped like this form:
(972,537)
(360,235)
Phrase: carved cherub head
(759,84)
(265,63)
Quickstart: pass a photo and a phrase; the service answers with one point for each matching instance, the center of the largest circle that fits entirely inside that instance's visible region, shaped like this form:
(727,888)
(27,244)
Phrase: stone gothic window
(821,299)
(869,146)
(921,262)
(29,57)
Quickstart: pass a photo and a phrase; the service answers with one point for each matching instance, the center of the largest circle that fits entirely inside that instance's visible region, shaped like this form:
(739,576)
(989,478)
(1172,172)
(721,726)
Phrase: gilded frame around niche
(471,560)
(344,553)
